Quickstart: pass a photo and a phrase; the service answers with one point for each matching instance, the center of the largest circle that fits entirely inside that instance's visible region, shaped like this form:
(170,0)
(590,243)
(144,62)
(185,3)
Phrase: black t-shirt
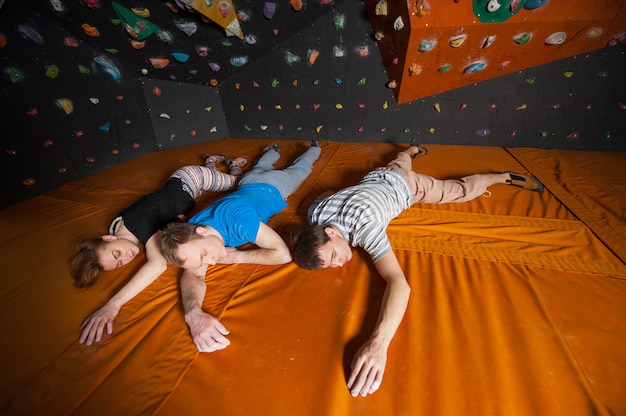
(154,211)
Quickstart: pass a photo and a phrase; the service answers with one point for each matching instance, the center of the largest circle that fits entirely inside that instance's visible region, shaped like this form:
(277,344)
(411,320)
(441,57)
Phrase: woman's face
(116,252)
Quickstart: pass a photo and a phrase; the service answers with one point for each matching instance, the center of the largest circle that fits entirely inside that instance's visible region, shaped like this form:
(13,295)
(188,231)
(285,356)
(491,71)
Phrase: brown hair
(173,235)
(86,267)
(306,244)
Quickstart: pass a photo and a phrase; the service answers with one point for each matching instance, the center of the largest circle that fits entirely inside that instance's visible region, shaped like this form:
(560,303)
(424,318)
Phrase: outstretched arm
(94,326)
(368,365)
(207,331)
(272,249)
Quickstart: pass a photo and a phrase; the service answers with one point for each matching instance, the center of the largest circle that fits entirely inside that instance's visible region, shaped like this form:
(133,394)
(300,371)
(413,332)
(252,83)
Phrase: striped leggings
(200,179)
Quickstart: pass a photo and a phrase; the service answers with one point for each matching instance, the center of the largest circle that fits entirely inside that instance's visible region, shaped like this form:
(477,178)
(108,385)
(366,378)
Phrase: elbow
(160,266)
(282,255)
(163,266)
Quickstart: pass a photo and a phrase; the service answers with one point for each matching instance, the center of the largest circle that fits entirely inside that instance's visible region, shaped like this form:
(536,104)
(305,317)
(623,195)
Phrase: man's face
(336,252)
(116,252)
(205,251)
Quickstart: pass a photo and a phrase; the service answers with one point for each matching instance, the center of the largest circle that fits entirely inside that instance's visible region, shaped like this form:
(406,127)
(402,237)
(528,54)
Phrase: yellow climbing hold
(437,107)
(568,74)
(319,128)
(385,105)
(208,109)
(278,107)
(141,12)
(338,106)
(431,130)
(241,107)
(522,107)
(66,104)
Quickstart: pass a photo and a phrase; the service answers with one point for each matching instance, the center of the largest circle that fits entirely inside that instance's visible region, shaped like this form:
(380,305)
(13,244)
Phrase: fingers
(364,379)
(211,344)
(210,338)
(93,330)
(221,329)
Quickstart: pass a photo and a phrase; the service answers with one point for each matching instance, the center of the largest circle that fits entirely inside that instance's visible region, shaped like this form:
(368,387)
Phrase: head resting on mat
(190,246)
(93,256)
(320,247)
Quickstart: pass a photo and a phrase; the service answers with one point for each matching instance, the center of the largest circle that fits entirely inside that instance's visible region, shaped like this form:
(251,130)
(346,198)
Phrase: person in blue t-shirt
(213,235)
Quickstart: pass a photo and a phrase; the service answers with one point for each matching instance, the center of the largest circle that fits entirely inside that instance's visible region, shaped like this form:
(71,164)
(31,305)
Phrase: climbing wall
(86,85)
(430,47)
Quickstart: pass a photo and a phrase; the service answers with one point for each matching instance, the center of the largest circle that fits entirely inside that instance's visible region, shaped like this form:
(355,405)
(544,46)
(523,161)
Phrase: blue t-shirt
(237,216)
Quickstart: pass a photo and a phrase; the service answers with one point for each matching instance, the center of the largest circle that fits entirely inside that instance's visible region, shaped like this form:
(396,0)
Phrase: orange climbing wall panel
(587,25)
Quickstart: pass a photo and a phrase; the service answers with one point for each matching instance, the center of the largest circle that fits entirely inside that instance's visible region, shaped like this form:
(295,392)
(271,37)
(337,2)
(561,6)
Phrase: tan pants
(428,190)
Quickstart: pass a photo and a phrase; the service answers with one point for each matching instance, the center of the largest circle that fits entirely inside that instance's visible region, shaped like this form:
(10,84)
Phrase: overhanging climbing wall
(431,47)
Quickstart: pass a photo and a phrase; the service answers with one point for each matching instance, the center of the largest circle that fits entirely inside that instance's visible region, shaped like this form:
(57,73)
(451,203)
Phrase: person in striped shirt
(358,216)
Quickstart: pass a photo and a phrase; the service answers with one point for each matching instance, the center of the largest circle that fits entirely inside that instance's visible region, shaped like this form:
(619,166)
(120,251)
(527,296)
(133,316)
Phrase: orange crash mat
(518,301)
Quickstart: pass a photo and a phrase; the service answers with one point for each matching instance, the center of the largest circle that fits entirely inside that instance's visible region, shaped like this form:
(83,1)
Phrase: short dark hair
(175,234)
(86,266)
(306,244)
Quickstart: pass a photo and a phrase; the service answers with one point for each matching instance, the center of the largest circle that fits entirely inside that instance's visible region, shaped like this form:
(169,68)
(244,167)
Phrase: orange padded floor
(518,302)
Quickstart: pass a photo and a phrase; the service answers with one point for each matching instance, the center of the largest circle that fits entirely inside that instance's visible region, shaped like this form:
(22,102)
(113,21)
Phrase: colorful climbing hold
(238,61)
(90,30)
(313,55)
(475,67)
(52,72)
(159,63)
(296,5)
(71,42)
(488,41)
(444,68)
(188,28)
(291,58)
(269,9)
(415,69)
(180,57)
(458,40)
(556,38)
(66,105)
(339,22)
(30,33)
(108,67)
(15,75)
(522,38)
(427,45)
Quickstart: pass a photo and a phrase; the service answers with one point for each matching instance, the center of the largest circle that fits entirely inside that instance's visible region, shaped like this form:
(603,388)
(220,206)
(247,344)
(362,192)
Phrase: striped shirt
(362,212)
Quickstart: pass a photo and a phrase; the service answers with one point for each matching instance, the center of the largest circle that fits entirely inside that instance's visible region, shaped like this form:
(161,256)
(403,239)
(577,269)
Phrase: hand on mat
(207,331)
(368,367)
(95,324)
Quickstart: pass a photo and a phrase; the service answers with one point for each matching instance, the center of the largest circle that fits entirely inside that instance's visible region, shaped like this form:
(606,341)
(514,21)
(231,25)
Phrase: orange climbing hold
(90,30)
(159,63)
